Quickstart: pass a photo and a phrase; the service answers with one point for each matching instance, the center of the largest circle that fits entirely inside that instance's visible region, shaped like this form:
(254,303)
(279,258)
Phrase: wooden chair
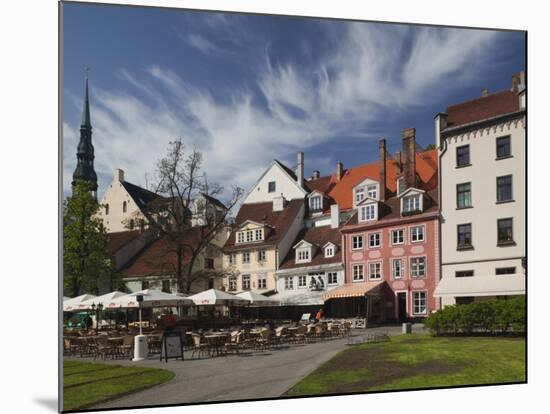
(199,345)
(127,347)
(103,347)
(264,339)
(234,342)
(70,347)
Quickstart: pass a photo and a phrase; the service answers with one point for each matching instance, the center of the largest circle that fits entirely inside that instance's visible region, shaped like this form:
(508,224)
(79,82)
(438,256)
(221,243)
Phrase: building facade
(482,153)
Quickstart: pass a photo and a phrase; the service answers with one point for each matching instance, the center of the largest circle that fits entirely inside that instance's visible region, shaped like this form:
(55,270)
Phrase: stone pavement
(250,375)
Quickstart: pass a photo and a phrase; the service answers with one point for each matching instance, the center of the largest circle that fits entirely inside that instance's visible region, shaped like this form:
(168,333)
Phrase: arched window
(124,207)
(106,209)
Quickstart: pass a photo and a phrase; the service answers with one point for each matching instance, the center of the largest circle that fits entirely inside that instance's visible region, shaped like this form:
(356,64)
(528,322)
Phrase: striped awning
(352,290)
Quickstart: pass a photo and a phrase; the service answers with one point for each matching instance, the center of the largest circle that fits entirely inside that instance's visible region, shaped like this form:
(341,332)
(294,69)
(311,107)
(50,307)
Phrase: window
(374,240)
(144,285)
(417,234)
(208,263)
(166,286)
(358,272)
(418,266)
(289,282)
(463,156)
(375,271)
(261,255)
(259,234)
(397,236)
(232,285)
(271,187)
(504,188)
(505,231)
(411,203)
(302,281)
(357,242)
(464,273)
(463,195)
(368,212)
(503,147)
(246,257)
(315,203)
(332,278)
(419,303)
(505,271)
(464,300)
(232,258)
(106,209)
(372,191)
(397,268)
(303,255)
(246,282)
(262,281)
(464,236)
(250,235)
(359,195)
(240,237)
(329,251)
(124,207)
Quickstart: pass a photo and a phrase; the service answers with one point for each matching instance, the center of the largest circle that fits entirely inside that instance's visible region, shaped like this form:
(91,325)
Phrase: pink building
(390,243)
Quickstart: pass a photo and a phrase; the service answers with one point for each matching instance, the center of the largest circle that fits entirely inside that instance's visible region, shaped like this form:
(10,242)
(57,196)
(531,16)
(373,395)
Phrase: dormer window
(250,235)
(372,191)
(411,203)
(315,203)
(303,255)
(329,251)
(368,212)
(259,234)
(240,237)
(359,195)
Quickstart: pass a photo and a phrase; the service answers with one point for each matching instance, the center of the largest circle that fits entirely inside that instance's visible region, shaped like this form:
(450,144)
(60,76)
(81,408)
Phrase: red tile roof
(117,240)
(318,236)
(498,103)
(278,222)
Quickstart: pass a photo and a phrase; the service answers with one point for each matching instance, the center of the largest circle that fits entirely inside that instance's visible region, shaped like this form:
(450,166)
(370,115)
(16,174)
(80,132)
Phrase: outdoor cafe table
(216,341)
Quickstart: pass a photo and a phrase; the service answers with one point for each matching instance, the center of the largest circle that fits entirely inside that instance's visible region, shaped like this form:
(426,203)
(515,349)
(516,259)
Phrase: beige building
(482,145)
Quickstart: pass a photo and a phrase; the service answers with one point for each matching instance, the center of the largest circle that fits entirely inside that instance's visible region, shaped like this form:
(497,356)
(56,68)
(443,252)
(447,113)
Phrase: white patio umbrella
(66,298)
(152,298)
(103,299)
(217,297)
(257,299)
(73,304)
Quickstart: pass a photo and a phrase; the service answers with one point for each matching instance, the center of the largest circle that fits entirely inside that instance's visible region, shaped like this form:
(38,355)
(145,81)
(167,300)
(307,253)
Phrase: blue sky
(245,89)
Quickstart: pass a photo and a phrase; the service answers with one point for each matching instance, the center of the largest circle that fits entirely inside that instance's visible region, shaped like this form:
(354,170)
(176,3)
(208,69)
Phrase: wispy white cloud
(374,69)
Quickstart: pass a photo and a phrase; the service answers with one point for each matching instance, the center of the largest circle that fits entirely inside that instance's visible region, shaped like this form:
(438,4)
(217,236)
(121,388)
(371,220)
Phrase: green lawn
(85,384)
(418,361)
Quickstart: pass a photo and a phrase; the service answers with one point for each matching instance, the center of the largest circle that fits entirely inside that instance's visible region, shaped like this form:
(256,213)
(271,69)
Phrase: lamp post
(99,309)
(140,341)
(95,312)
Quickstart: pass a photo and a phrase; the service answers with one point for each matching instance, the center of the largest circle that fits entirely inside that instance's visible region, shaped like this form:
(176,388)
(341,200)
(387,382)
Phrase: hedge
(496,316)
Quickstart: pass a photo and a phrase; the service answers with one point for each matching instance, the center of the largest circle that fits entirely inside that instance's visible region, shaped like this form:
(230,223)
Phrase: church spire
(85,151)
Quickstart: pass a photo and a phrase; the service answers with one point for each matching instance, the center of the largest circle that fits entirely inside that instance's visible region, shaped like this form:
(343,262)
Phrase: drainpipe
(440,119)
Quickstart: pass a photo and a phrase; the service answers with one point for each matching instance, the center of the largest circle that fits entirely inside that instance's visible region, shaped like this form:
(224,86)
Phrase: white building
(482,163)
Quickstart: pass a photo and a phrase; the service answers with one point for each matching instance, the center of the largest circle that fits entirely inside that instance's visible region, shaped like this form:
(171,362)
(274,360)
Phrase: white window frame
(393,243)
(303,254)
(411,267)
(300,279)
(232,258)
(402,268)
(411,231)
(416,205)
(249,236)
(329,274)
(262,281)
(377,262)
(365,213)
(355,240)
(413,300)
(359,195)
(353,272)
(289,282)
(248,278)
(316,202)
(259,234)
(232,283)
(372,191)
(377,246)
(240,237)
(261,256)
(329,251)
(246,254)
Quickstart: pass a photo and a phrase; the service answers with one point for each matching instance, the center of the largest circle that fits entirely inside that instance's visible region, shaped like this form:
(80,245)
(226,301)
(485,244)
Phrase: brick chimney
(409,157)
(518,81)
(339,170)
(300,169)
(397,163)
(119,174)
(484,92)
(382,170)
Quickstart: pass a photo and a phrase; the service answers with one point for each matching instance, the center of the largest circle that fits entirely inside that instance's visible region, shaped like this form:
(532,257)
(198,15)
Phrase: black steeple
(85,151)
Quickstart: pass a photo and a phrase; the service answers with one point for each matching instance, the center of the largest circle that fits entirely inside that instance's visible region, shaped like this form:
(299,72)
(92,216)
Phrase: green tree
(86,261)
(430,147)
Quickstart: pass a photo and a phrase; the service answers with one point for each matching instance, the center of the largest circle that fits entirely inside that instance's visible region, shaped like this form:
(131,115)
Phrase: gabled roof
(411,190)
(318,236)
(301,243)
(367,200)
(117,240)
(241,225)
(490,106)
(214,201)
(140,195)
(288,170)
(280,221)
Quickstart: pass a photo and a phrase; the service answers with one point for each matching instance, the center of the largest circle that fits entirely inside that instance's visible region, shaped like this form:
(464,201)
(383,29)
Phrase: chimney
(409,159)
(119,174)
(484,92)
(440,124)
(279,203)
(300,169)
(382,171)
(339,170)
(518,81)
(316,175)
(334,216)
(397,163)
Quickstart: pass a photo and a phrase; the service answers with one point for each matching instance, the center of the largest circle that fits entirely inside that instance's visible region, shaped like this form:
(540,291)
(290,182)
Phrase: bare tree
(188,217)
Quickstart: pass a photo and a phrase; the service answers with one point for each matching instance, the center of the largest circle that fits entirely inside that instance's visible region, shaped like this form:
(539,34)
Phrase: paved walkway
(237,377)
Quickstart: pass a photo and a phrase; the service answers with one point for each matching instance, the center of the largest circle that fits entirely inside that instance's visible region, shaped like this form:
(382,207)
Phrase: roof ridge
(479,98)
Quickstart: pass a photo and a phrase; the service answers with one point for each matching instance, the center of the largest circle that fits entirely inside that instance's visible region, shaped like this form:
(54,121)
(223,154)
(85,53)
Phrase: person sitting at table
(319,315)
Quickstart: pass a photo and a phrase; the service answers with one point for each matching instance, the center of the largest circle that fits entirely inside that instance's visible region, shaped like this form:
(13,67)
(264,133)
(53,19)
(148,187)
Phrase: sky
(247,89)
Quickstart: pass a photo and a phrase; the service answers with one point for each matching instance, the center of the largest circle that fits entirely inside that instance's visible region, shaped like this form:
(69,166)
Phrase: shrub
(495,316)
